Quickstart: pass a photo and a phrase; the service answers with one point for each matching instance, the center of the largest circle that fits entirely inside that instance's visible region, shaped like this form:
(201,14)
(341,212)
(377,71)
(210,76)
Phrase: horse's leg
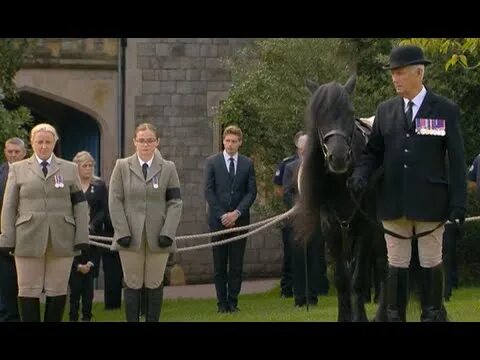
(341,277)
(359,280)
(381,268)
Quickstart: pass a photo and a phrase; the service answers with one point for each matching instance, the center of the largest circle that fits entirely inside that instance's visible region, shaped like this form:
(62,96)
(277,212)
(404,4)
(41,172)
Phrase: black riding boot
(434,310)
(29,309)
(132,299)
(154,304)
(54,308)
(397,294)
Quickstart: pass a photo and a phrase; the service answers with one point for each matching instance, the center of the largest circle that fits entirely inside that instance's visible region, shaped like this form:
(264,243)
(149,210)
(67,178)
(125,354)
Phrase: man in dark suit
(413,135)
(230,190)
(14,151)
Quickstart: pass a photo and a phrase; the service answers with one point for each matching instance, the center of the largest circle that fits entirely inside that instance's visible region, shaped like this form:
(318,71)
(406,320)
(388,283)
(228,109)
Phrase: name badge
(59,182)
(155,182)
(435,127)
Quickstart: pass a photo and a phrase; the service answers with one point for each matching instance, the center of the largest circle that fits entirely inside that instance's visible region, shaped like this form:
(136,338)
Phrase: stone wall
(182,83)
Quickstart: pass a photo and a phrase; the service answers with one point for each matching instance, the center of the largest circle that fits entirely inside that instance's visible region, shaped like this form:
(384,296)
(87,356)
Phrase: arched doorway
(77,130)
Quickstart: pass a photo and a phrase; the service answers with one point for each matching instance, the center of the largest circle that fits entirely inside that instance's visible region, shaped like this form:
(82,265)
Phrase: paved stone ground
(207,291)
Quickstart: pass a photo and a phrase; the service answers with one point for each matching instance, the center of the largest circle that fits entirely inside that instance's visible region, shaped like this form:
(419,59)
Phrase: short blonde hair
(43,127)
(233,130)
(83,156)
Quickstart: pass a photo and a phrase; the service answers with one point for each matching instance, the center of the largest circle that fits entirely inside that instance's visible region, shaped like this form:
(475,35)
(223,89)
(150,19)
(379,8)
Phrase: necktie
(231,168)
(144,170)
(409,113)
(44,167)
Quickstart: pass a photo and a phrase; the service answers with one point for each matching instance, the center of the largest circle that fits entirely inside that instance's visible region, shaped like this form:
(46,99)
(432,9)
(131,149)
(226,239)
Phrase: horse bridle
(324,138)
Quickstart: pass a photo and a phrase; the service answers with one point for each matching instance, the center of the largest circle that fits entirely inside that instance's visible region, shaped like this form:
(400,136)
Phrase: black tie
(231,168)
(44,167)
(409,113)
(144,170)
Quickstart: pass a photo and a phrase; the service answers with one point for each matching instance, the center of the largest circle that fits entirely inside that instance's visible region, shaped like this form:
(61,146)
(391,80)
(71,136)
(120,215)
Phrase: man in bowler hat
(417,138)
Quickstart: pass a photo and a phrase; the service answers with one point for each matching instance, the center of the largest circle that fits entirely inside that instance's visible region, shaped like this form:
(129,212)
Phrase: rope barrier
(260,225)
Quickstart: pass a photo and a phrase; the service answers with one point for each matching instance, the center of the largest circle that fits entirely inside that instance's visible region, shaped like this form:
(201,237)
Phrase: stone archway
(79,128)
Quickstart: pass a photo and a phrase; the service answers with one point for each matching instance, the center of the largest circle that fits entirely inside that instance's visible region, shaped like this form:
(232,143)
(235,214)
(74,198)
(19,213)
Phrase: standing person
(84,265)
(145,208)
(14,151)
(286,281)
(44,223)
(314,253)
(230,190)
(412,136)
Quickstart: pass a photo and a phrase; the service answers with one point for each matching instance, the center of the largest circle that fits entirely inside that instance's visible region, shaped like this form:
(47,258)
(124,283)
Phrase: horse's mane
(324,104)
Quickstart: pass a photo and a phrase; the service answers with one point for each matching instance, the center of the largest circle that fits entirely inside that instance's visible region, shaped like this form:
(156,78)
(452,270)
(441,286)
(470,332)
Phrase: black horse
(335,141)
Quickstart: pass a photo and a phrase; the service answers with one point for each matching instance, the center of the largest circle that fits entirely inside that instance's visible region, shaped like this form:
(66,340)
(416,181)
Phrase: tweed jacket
(38,208)
(152,205)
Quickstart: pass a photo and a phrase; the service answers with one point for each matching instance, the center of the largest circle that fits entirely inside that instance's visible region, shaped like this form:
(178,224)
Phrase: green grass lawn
(464,306)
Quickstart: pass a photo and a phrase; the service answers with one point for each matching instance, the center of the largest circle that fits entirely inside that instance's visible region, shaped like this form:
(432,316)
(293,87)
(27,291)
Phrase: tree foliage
(463,51)
(15,122)
(268,96)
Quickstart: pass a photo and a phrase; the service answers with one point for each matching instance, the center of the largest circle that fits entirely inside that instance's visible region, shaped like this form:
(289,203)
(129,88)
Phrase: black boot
(397,294)
(154,304)
(434,310)
(29,309)
(132,298)
(54,308)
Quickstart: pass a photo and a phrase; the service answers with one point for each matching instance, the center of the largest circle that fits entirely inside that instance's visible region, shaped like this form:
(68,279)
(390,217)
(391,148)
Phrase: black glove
(164,241)
(81,247)
(356,183)
(5,251)
(457,214)
(124,241)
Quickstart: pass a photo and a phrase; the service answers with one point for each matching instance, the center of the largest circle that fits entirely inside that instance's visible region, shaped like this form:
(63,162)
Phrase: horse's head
(331,123)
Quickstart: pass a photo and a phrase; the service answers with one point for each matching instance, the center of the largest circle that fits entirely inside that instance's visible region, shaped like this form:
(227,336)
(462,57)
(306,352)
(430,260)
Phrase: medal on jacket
(435,127)
(92,189)
(155,182)
(59,181)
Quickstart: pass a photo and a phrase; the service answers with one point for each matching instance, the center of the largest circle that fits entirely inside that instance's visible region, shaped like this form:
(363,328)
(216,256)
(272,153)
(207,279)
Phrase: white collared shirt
(227,160)
(49,161)
(417,102)
(149,162)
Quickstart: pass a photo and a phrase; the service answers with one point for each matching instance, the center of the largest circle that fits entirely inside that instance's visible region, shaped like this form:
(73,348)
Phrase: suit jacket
(418,182)
(97,199)
(290,184)
(224,194)
(34,210)
(135,204)
(3,182)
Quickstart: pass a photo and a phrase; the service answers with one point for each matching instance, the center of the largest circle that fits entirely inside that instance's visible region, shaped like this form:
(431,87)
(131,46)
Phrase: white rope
(264,224)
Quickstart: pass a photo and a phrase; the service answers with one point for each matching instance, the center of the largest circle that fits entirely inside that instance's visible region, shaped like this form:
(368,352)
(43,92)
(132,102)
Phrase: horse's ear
(350,84)
(311,85)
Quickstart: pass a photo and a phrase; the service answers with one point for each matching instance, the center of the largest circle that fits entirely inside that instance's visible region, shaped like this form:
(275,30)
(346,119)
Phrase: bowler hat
(406,55)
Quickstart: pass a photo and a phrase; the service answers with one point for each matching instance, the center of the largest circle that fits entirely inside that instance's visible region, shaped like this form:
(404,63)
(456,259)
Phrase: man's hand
(84,269)
(357,184)
(124,241)
(164,241)
(457,215)
(228,219)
